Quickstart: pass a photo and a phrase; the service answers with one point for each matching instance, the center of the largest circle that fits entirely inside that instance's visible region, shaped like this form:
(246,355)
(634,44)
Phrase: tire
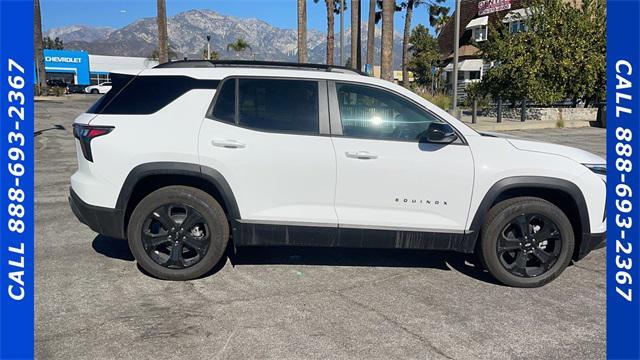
(95,91)
(505,246)
(153,237)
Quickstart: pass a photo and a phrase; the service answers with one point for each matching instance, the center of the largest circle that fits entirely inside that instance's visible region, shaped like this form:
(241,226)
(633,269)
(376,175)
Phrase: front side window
(279,105)
(372,113)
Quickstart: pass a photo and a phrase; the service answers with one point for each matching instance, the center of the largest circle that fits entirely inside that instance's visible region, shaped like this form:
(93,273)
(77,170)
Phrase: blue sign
(368,69)
(70,62)
(16,179)
(623,181)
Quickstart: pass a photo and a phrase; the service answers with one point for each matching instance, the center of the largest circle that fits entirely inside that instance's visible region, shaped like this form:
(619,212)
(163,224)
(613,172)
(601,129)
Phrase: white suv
(101,88)
(287,154)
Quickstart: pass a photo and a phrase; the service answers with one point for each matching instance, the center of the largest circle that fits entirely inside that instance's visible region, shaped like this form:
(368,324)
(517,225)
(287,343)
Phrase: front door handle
(361,155)
(228,143)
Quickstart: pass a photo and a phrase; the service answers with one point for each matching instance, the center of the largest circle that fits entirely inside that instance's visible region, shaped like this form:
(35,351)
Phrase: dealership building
(82,68)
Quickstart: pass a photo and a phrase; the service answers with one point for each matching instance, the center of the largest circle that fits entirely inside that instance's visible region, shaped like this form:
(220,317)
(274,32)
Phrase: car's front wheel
(526,242)
(178,233)
(95,91)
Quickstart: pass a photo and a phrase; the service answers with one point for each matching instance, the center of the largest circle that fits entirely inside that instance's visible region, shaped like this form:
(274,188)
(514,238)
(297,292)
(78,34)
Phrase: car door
(386,177)
(269,138)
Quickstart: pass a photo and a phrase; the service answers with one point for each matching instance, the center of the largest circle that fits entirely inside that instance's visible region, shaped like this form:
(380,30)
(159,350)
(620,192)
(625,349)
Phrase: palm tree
(409,5)
(240,45)
(332,9)
(163,39)
(386,52)
(155,55)
(302,31)
(371,32)
(210,54)
(438,16)
(41,87)
(355,33)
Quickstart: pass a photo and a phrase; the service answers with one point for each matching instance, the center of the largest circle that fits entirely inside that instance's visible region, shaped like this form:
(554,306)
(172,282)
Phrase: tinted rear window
(145,94)
(225,108)
(279,105)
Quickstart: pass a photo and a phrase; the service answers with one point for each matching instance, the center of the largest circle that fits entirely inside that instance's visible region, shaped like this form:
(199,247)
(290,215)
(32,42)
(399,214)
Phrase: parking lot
(92,301)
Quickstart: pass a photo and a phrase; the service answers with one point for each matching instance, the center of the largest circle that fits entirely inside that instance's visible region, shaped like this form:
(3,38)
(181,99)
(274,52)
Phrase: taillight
(86,133)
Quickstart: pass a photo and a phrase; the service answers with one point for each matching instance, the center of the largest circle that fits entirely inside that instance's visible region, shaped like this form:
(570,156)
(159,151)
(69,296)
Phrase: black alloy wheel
(175,236)
(526,242)
(178,233)
(529,245)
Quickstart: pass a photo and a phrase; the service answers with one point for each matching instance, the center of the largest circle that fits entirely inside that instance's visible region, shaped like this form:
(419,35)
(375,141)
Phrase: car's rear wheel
(526,242)
(178,233)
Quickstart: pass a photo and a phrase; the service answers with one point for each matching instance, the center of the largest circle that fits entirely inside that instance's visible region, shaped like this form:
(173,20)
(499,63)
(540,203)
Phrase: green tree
(409,6)
(424,55)
(239,46)
(213,55)
(155,55)
(55,44)
(438,16)
(561,55)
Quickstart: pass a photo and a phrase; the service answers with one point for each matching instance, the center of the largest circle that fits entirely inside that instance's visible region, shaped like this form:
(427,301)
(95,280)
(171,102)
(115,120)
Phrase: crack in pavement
(415,335)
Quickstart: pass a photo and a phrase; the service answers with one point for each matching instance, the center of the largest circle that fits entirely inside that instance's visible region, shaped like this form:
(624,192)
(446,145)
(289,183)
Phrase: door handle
(361,155)
(228,143)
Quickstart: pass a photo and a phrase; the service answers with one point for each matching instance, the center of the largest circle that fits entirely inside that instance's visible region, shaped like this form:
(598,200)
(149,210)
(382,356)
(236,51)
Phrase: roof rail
(255,64)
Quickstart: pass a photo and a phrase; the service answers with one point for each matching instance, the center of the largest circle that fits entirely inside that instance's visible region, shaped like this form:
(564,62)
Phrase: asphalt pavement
(93,302)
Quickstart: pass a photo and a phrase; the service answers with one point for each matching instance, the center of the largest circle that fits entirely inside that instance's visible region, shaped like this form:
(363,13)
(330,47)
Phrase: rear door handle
(228,143)
(361,155)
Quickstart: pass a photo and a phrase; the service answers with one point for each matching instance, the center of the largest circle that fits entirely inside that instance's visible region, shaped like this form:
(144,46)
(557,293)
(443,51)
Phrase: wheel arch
(146,178)
(562,193)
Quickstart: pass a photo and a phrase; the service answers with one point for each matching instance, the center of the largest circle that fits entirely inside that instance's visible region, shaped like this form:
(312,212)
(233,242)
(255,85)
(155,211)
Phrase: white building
(100,66)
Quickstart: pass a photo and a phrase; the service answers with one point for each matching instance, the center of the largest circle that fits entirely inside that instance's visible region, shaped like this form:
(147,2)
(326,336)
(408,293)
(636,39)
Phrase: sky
(279,13)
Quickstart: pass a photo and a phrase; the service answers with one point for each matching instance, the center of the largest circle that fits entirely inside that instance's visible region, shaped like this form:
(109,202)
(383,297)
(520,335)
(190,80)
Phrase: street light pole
(208,47)
(456,44)
(341,32)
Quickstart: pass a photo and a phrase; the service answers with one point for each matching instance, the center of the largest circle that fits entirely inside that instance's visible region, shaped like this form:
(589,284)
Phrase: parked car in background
(56,83)
(75,89)
(101,88)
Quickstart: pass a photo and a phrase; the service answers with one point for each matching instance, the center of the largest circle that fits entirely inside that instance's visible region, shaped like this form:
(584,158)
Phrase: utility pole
(359,53)
(456,44)
(341,32)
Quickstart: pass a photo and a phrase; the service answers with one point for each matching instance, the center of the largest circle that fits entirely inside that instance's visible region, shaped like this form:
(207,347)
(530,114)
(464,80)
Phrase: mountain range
(187,38)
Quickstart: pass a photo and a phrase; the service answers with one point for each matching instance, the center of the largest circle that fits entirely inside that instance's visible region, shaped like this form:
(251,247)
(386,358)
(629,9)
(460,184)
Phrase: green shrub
(439,99)
(55,91)
(475,91)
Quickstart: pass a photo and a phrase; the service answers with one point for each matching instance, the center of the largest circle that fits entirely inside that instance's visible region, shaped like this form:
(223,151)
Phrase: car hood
(581,156)
(578,155)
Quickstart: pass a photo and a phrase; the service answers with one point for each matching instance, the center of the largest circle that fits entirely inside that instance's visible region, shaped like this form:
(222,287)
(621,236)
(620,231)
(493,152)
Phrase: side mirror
(439,133)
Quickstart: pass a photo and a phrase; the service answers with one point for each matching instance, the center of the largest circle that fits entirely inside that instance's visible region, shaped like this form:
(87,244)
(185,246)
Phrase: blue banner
(16,179)
(623,184)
